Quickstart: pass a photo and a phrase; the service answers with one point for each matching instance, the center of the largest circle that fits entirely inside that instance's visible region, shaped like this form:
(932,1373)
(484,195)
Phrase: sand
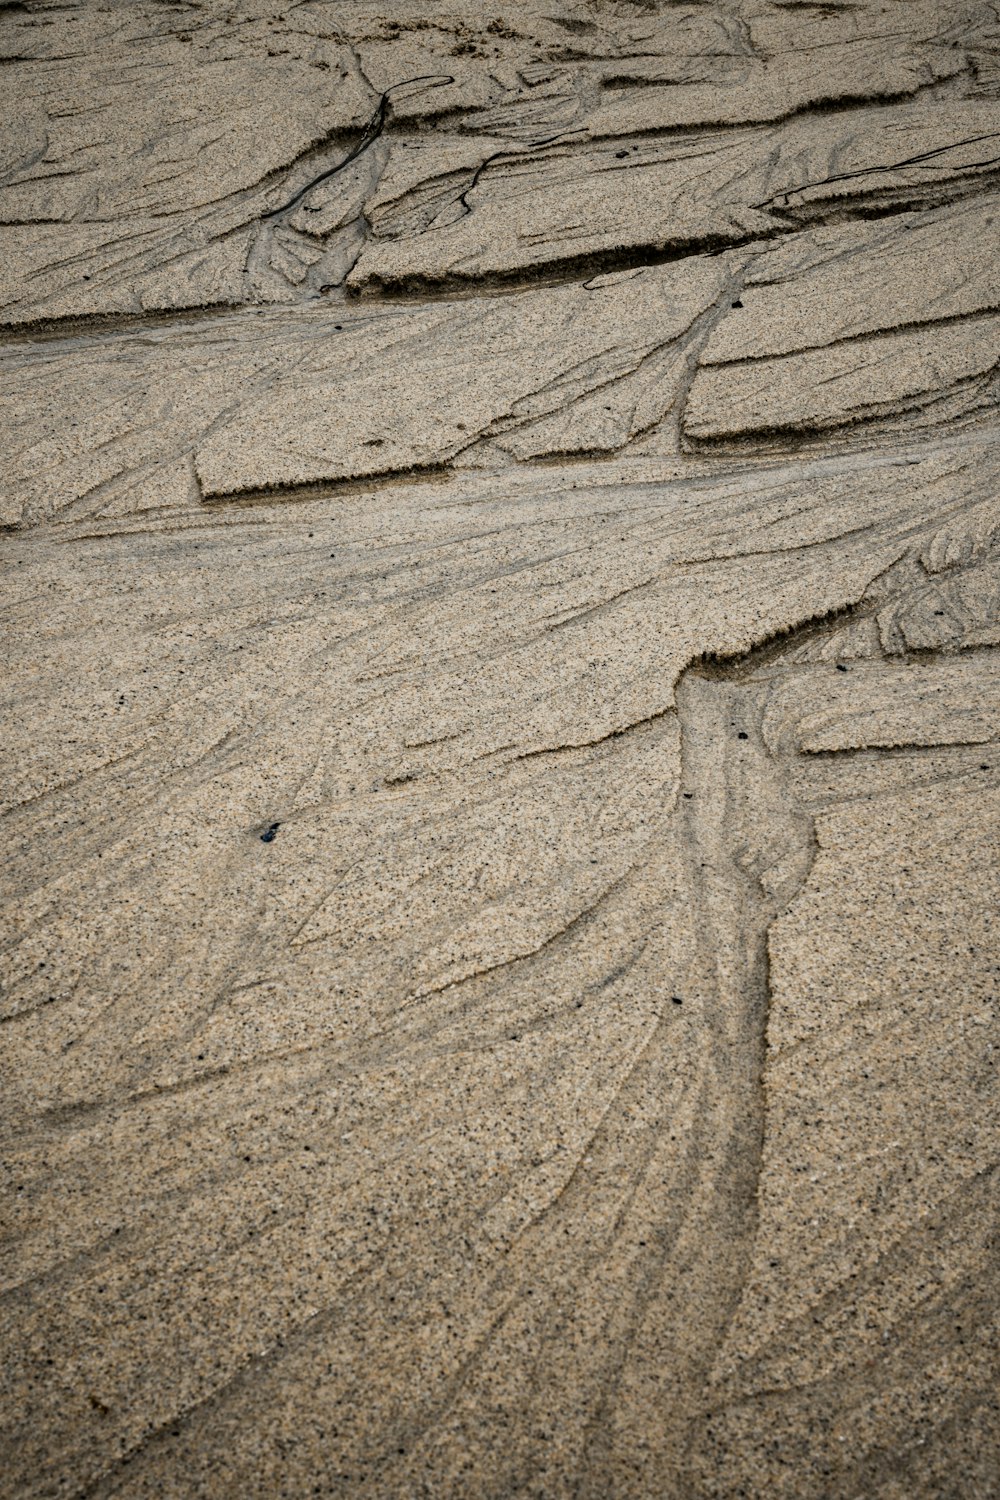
(500,750)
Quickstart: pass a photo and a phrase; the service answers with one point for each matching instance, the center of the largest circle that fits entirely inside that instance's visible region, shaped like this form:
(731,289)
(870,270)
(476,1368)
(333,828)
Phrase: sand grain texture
(501,749)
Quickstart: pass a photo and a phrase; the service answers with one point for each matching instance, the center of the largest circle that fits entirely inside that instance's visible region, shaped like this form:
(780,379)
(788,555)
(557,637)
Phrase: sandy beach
(500,750)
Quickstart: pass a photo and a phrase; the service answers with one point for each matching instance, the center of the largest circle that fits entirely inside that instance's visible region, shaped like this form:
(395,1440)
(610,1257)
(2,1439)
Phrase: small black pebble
(677,999)
(841,667)
(620,154)
(742,735)
(267,836)
(984,768)
(688,796)
(737,303)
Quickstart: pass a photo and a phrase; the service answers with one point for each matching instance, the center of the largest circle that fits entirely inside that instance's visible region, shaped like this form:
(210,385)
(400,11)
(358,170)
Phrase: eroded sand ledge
(501,705)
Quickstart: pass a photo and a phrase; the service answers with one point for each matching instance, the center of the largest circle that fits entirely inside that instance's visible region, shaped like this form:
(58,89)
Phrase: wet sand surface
(501,749)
